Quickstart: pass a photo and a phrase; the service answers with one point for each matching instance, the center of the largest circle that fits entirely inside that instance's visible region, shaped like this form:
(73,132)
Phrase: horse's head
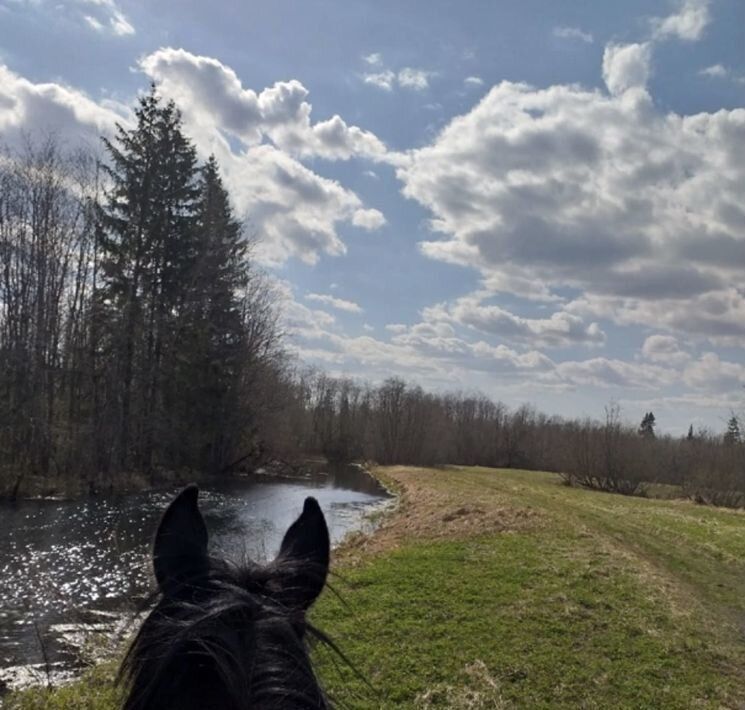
(226,636)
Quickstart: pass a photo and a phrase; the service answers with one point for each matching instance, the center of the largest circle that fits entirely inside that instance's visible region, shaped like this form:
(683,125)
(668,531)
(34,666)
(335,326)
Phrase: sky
(542,201)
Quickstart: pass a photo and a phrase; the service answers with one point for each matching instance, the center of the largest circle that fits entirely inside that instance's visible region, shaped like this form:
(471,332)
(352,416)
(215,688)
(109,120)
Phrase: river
(73,569)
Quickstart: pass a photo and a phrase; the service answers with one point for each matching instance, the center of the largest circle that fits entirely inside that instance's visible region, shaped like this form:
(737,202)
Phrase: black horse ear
(303,558)
(180,550)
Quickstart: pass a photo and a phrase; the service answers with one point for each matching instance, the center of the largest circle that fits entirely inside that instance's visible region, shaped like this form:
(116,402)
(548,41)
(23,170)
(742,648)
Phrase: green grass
(592,601)
(605,602)
(94,691)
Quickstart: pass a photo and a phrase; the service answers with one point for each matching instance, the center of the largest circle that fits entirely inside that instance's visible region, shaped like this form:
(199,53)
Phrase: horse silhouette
(224,635)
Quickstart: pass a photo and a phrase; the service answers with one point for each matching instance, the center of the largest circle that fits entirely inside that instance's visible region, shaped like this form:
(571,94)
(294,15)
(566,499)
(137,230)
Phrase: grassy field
(504,589)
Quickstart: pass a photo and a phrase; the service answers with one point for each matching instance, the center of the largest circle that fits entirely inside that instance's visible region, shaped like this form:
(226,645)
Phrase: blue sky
(541,200)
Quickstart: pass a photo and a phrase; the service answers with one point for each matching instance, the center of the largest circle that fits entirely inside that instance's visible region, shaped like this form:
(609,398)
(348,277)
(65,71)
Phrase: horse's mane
(229,636)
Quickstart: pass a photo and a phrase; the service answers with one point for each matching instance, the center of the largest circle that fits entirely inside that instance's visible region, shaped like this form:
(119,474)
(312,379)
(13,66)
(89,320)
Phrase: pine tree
(733,435)
(690,436)
(147,225)
(212,332)
(646,428)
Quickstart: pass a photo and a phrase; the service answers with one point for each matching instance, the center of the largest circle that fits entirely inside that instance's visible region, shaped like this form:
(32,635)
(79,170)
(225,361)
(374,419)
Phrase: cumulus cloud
(473,81)
(293,211)
(626,66)
(638,210)
(573,33)
(368,219)
(433,350)
(50,108)
(664,349)
(609,372)
(561,329)
(211,94)
(338,303)
(718,315)
(260,139)
(713,374)
(688,23)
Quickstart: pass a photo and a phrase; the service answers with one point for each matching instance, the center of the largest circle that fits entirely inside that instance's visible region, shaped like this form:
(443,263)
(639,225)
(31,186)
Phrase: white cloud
(473,81)
(664,349)
(714,70)
(93,23)
(719,71)
(49,108)
(688,23)
(293,210)
(383,79)
(710,373)
(102,16)
(211,95)
(105,16)
(609,372)
(718,315)
(573,33)
(626,66)
(386,79)
(561,329)
(370,219)
(416,79)
(638,210)
(432,353)
(338,303)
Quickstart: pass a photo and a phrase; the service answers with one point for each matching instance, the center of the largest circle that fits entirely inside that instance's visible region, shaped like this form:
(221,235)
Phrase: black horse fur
(227,636)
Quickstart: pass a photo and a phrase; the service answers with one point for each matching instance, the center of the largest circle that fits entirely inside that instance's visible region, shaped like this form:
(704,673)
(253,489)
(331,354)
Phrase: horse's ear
(303,557)
(180,550)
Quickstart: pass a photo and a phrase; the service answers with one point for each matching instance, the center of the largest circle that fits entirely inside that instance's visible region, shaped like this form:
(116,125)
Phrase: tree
(147,236)
(211,330)
(733,435)
(646,428)
(690,436)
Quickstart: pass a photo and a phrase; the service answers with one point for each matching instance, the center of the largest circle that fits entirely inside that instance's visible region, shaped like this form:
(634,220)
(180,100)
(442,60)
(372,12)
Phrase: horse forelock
(226,642)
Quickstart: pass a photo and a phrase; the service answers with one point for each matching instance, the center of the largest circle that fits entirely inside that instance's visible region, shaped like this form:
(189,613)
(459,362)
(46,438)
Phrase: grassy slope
(597,601)
(498,589)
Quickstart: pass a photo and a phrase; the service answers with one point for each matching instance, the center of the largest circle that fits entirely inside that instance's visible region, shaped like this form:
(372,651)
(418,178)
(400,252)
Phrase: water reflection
(59,558)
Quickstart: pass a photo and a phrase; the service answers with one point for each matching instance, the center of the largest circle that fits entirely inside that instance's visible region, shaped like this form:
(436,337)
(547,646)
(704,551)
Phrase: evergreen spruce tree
(148,224)
(733,435)
(211,339)
(690,436)
(646,428)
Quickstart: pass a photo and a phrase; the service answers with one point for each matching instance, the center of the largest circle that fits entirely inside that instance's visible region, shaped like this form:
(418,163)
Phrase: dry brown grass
(429,507)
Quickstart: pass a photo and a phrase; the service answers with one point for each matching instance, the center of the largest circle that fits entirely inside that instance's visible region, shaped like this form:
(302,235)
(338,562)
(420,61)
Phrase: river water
(71,566)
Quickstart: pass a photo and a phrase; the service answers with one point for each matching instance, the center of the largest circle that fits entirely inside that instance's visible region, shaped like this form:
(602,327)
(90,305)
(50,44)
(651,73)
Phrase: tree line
(139,344)
(399,423)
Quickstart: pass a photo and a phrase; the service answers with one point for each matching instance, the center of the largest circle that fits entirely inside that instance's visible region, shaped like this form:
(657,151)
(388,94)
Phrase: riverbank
(504,589)
(60,487)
